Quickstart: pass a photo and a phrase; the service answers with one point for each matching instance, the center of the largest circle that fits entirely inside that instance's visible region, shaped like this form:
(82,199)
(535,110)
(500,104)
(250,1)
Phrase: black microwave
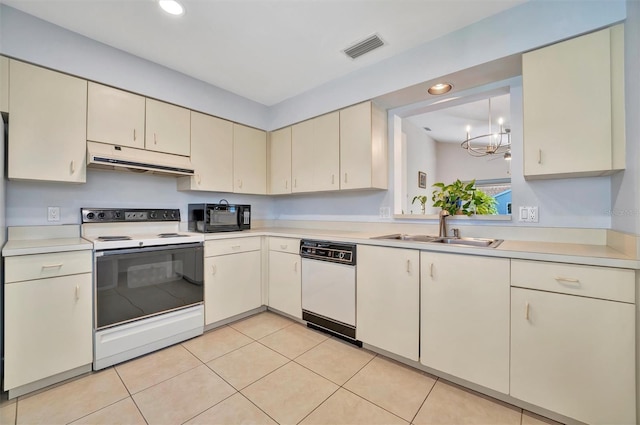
(210,218)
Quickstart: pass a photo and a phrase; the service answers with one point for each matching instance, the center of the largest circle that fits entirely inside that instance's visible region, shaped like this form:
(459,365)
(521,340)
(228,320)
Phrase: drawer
(231,246)
(292,246)
(588,281)
(39,266)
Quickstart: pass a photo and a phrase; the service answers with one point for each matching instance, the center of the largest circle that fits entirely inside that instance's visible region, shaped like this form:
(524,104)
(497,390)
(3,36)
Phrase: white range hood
(112,157)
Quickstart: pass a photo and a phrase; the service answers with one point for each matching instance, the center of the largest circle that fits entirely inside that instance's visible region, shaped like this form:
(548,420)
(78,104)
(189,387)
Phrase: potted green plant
(423,202)
(463,198)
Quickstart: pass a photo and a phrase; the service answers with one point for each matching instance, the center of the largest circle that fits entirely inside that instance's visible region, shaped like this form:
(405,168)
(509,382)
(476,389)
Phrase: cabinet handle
(295,267)
(526,311)
(240,183)
(283,246)
(52,266)
(345,177)
(408,266)
(134,134)
(77,292)
(333,178)
(236,246)
(198,179)
(561,279)
(213,269)
(539,156)
(431,270)
(72,166)
(155,139)
(286,184)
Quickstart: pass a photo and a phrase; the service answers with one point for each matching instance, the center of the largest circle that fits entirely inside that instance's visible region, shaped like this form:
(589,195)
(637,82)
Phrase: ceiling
(264,50)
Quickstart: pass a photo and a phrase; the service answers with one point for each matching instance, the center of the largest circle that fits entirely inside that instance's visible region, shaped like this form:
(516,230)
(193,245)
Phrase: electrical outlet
(385,212)
(53,214)
(533,214)
(528,214)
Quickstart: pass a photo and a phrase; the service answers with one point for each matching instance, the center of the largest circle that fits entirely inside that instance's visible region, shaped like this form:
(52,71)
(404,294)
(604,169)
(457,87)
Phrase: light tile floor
(265,369)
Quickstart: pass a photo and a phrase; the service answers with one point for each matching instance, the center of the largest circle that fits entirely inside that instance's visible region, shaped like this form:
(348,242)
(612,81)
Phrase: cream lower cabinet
(388,299)
(249,160)
(574,355)
(211,155)
(280,161)
(115,116)
(464,317)
(285,291)
(167,128)
(48,315)
(573,100)
(48,131)
(232,278)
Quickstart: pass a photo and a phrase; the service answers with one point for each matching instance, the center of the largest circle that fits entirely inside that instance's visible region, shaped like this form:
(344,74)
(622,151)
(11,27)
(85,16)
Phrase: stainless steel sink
(480,242)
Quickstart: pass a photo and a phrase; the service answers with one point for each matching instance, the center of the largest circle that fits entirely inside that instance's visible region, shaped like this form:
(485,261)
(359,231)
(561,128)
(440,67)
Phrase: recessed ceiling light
(171,6)
(440,88)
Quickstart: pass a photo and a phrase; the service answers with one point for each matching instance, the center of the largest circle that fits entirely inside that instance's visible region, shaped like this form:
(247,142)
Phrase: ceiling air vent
(364,46)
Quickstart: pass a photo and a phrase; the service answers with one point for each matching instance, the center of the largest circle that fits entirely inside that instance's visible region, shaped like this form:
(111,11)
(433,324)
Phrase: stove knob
(117,214)
(173,214)
(153,215)
(90,216)
(165,215)
(101,216)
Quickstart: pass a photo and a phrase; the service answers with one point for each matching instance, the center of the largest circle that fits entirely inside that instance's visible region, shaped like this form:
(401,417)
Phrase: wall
(454,163)
(27,201)
(421,156)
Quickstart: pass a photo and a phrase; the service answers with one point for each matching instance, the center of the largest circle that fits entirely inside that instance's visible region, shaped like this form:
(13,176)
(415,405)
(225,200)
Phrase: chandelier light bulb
(172,7)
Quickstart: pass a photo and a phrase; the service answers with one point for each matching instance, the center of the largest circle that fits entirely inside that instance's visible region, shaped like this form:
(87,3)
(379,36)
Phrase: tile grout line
(425,400)
(131,396)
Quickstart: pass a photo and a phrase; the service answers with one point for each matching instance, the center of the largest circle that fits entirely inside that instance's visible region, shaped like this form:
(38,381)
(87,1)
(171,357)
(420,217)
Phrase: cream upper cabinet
(211,155)
(115,117)
(464,317)
(48,131)
(167,128)
(363,147)
(573,331)
(4,84)
(573,95)
(388,299)
(280,161)
(315,154)
(249,160)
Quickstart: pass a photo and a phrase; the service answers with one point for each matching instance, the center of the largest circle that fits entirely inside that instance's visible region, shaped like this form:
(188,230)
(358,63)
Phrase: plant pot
(422,208)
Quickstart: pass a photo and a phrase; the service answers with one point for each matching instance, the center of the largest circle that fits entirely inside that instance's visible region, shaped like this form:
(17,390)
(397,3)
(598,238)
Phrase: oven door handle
(124,251)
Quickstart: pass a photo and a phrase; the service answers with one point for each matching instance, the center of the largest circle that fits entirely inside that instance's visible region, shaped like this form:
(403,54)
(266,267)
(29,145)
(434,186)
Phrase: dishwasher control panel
(334,252)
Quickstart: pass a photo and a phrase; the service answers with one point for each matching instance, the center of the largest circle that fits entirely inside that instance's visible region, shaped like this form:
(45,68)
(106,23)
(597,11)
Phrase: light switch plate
(53,214)
(528,214)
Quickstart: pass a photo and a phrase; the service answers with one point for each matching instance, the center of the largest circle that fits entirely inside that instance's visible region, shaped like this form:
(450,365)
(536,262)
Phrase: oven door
(141,282)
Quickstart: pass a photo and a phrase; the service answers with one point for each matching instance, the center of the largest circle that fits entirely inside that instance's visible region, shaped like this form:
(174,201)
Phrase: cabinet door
(326,148)
(363,147)
(232,285)
(249,160)
(48,328)
(167,128)
(48,131)
(115,116)
(302,156)
(465,317)
(567,107)
(4,84)
(574,355)
(280,161)
(388,299)
(211,155)
(284,283)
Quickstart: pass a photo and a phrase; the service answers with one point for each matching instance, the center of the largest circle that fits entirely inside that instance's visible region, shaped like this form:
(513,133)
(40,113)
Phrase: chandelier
(492,143)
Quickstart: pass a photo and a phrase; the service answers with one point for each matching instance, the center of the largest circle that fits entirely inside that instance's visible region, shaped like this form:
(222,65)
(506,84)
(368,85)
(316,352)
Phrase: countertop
(43,246)
(594,255)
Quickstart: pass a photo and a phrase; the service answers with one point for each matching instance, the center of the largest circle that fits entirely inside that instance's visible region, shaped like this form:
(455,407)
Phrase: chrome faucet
(442,232)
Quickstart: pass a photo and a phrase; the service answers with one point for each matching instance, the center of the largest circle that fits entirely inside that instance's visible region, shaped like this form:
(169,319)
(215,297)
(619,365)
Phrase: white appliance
(329,287)
(148,281)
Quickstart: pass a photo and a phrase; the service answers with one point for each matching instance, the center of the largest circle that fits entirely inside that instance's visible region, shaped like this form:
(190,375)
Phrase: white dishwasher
(329,287)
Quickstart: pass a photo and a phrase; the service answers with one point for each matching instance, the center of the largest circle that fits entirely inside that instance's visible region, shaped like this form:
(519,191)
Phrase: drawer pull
(345,178)
(431,270)
(295,182)
(408,266)
(283,246)
(295,267)
(526,311)
(333,179)
(134,134)
(52,266)
(236,246)
(155,139)
(286,184)
(561,279)
(539,156)
(198,178)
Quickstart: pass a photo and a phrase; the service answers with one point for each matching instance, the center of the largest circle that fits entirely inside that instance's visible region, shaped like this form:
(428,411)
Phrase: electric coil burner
(148,281)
